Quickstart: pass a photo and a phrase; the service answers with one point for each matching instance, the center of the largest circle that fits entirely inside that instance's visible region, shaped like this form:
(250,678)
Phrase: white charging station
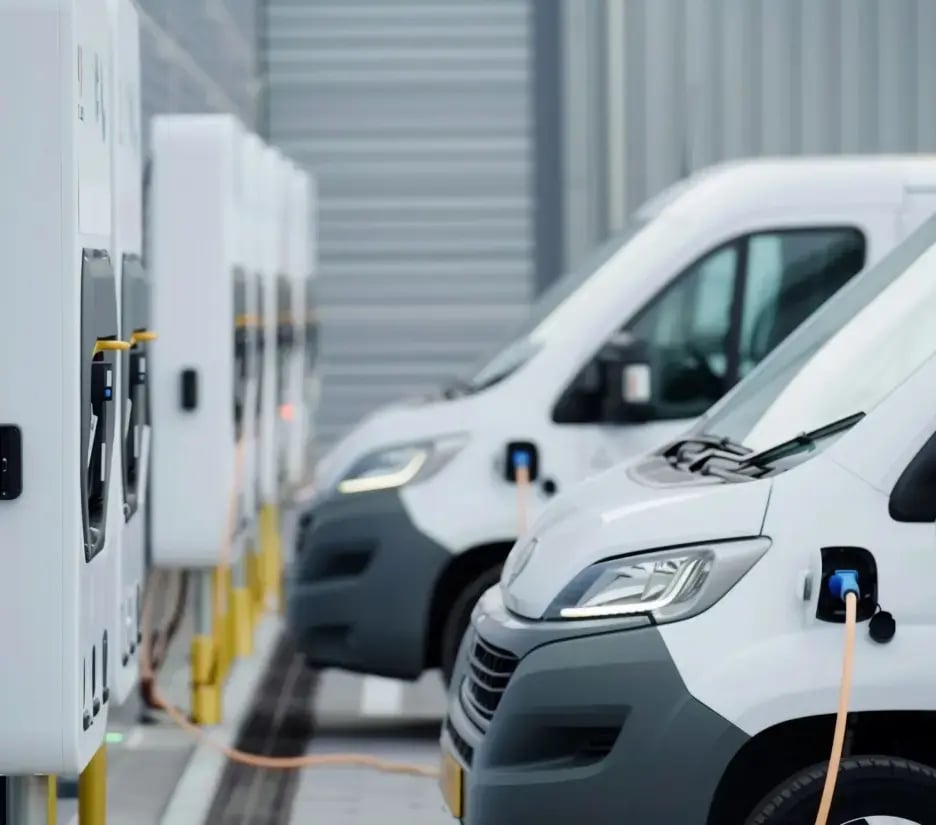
(290,332)
(272,280)
(301,392)
(256,260)
(198,372)
(308,252)
(132,443)
(59,394)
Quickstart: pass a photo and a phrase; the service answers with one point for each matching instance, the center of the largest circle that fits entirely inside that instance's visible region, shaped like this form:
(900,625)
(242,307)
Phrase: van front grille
(489,671)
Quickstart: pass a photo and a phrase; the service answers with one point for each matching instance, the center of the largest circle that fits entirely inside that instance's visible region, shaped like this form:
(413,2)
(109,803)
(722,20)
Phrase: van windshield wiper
(705,445)
(800,443)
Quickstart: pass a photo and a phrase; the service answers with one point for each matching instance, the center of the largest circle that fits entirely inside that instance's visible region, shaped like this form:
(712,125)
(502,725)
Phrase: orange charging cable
(838,739)
(523,488)
(159,701)
(162,637)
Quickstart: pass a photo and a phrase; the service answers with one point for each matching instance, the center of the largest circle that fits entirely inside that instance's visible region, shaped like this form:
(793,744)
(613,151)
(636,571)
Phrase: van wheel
(460,615)
(867,787)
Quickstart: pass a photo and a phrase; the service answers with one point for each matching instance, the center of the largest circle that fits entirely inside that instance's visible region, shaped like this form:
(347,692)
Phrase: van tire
(866,786)
(459,616)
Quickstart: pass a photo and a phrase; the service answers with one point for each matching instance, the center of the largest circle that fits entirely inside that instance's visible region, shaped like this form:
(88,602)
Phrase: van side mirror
(628,380)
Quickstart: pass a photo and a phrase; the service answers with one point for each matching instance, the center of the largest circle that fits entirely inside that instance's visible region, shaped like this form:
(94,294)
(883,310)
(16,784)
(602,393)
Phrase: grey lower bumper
(360,589)
(594,727)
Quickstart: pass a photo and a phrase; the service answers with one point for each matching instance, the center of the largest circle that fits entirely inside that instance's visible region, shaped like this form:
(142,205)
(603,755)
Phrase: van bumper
(595,725)
(360,588)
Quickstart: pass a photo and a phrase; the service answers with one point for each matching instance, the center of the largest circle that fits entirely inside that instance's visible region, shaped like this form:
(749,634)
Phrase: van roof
(791,181)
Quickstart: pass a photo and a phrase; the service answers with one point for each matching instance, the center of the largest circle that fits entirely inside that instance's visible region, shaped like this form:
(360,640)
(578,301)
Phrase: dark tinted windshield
(845,358)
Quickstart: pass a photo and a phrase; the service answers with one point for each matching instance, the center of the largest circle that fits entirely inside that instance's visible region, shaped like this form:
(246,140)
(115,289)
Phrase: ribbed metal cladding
(198,56)
(711,80)
(415,117)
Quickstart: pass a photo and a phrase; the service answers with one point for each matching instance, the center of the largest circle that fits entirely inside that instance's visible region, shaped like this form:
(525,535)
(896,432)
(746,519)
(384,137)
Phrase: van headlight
(668,585)
(392,467)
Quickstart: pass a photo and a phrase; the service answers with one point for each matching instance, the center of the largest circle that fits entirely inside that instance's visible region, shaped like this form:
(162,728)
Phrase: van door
(718,319)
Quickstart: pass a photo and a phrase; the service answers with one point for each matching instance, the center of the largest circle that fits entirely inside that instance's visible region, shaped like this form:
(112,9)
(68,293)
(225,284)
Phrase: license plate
(451,781)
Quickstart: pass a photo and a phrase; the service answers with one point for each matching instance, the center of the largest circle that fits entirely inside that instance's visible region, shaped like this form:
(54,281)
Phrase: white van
(665,646)
(416,508)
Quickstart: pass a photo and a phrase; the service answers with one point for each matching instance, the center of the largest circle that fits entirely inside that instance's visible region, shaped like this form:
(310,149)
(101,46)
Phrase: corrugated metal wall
(692,82)
(415,116)
(584,127)
(199,56)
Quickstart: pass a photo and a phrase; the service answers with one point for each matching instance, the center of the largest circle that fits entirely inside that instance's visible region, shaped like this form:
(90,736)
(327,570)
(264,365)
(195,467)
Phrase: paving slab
(403,726)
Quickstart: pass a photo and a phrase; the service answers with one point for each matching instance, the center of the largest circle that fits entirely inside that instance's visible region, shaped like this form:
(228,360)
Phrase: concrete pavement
(393,721)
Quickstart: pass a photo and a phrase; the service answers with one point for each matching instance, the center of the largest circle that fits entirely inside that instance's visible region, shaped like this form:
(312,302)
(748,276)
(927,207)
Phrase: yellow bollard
(241,622)
(228,585)
(271,557)
(220,623)
(51,800)
(92,790)
(254,582)
(206,691)
(259,584)
(250,586)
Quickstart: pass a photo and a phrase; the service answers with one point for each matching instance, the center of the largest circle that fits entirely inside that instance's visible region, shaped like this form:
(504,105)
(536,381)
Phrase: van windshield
(869,338)
(554,309)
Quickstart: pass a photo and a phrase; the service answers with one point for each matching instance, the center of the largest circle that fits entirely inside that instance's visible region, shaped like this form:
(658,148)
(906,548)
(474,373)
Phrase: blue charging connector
(843,582)
(521,458)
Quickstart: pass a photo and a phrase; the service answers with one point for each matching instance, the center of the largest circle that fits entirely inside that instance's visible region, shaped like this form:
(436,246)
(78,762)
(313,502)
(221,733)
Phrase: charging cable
(158,700)
(844,586)
(161,637)
(521,462)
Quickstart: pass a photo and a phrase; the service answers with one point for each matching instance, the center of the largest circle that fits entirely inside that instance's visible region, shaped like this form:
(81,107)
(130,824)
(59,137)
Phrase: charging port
(832,609)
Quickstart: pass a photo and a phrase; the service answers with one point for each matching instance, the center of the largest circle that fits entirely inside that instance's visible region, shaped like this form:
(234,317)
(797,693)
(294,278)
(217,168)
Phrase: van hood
(615,514)
(403,422)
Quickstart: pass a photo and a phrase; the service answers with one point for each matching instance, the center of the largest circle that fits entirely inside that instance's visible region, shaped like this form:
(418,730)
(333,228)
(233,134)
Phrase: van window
(688,330)
(790,275)
(846,358)
(725,313)
(735,306)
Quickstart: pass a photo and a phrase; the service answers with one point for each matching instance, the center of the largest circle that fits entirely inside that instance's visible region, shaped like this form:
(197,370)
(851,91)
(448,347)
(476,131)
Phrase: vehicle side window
(688,330)
(789,275)
(721,316)
(913,498)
